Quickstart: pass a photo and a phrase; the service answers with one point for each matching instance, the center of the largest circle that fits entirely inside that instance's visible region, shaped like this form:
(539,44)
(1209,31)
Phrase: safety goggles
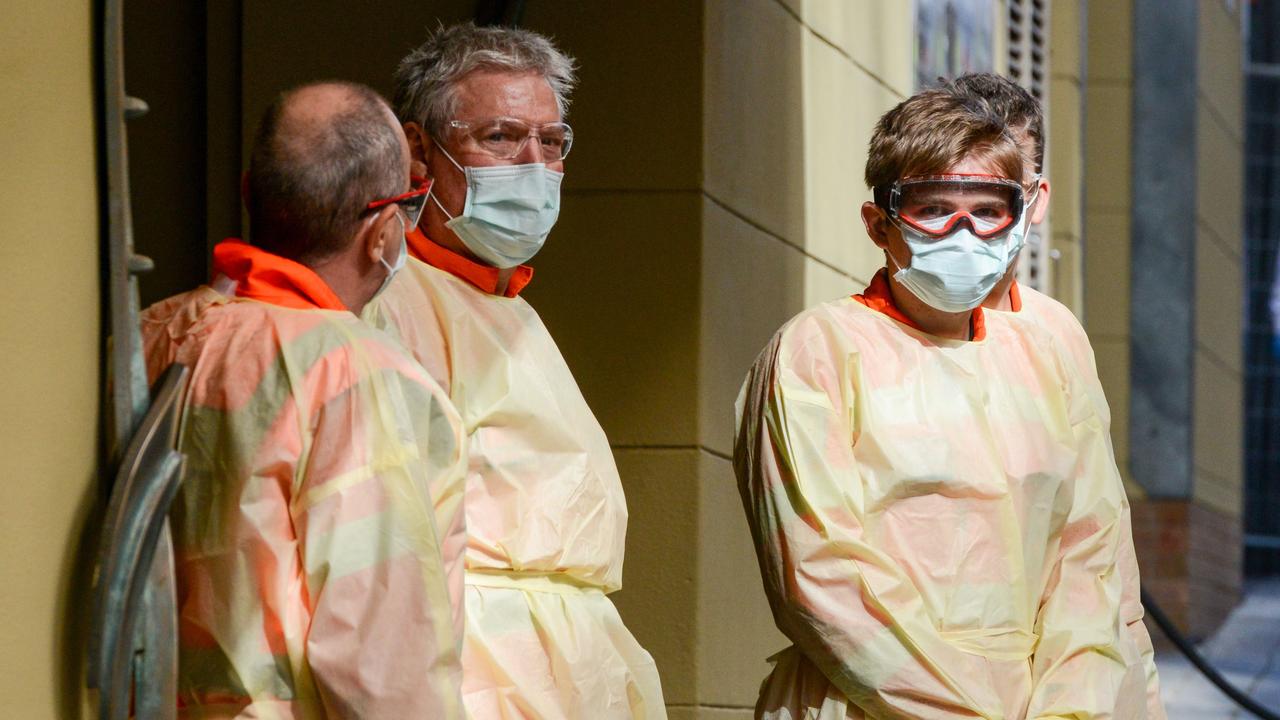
(504,137)
(411,202)
(935,205)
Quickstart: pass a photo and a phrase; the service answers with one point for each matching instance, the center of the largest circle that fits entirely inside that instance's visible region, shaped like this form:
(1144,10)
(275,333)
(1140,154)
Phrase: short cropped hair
(1020,110)
(933,131)
(427,78)
(310,177)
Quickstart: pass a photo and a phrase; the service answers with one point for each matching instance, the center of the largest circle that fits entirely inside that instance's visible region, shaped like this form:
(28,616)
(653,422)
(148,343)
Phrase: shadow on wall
(75,603)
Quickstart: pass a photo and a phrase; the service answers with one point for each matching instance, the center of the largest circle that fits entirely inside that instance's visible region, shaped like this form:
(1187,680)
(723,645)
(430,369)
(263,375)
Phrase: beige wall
(1189,548)
(1218,429)
(1064,153)
(1219,400)
(1107,169)
(49,367)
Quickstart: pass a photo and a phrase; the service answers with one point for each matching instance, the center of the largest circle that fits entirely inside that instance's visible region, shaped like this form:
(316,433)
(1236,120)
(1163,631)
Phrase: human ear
(378,233)
(1041,207)
(877,224)
(420,144)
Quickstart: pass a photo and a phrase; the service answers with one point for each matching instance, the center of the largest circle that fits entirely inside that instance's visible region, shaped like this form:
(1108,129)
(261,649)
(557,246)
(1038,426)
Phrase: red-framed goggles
(411,202)
(936,205)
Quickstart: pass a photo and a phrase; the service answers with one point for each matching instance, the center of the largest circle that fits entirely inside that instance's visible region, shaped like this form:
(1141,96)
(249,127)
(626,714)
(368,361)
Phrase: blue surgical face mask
(957,272)
(509,210)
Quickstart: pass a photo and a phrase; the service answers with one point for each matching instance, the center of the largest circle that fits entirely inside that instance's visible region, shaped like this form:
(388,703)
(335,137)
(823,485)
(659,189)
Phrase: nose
(532,151)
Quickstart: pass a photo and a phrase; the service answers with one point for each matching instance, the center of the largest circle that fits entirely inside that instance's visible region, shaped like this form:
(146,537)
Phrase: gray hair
(426,79)
(313,169)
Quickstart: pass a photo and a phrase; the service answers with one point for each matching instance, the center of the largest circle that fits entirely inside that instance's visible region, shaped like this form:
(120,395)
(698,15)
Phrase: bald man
(321,458)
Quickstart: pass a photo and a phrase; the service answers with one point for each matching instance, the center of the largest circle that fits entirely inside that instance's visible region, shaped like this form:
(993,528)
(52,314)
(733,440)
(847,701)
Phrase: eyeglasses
(935,204)
(505,137)
(411,203)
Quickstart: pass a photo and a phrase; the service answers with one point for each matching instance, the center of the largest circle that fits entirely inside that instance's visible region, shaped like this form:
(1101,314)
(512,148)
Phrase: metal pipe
(1201,663)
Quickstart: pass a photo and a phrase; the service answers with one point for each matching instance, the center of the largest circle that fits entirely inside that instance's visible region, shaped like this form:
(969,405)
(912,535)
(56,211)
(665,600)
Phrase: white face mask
(957,272)
(509,211)
(401,259)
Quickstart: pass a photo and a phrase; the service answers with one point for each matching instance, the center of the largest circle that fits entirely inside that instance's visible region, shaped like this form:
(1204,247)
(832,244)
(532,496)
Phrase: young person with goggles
(545,514)
(934,502)
(1025,119)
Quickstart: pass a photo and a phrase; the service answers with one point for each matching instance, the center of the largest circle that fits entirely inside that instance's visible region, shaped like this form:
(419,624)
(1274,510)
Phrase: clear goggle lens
(937,205)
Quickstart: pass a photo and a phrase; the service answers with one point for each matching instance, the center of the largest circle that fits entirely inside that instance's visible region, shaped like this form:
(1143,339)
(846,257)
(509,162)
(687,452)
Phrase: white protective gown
(545,514)
(322,462)
(938,523)
(1056,318)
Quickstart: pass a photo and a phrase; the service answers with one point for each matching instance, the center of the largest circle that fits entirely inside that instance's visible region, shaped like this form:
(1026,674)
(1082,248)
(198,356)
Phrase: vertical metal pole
(133,646)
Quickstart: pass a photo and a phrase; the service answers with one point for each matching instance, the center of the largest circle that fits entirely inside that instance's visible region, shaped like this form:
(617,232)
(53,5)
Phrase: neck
(999,297)
(954,326)
(352,288)
(433,226)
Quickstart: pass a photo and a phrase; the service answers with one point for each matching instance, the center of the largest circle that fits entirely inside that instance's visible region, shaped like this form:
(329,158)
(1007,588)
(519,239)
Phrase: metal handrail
(135,615)
(132,657)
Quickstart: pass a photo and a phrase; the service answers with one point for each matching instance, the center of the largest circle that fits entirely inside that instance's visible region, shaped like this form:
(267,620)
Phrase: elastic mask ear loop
(894,261)
(446,154)
(383,258)
(889,253)
(432,193)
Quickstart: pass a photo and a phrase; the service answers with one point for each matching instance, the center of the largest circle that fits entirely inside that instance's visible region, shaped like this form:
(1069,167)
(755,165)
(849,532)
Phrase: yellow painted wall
(1108,87)
(49,360)
(1214,565)
(1219,401)
(1064,153)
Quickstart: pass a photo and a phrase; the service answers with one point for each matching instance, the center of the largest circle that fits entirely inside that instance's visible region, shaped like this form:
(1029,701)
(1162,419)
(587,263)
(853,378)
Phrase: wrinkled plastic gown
(1054,317)
(320,459)
(546,516)
(937,522)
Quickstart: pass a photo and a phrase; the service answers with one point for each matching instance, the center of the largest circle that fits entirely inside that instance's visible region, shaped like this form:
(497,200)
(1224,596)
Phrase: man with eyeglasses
(483,110)
(320,456)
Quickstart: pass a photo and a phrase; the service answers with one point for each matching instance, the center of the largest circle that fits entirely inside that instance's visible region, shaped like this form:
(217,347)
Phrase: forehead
(483,94)
(975,164)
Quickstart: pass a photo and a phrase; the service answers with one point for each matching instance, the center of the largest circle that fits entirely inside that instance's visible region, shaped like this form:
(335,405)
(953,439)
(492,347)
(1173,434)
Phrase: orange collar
(482,276)
(259,275)
(1015,297)
(878,297)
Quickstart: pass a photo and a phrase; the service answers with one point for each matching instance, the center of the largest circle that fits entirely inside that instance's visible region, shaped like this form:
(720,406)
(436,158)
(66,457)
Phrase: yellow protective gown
(310,576)
(1062,324)
(546,517)
(937,523)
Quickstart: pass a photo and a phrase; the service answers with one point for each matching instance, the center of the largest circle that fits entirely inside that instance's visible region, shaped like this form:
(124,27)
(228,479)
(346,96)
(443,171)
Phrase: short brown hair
(1021,112)
(935,130)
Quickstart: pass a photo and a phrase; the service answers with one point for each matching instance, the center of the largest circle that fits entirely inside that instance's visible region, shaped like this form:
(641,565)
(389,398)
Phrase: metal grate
(1028,24)
(1028,27)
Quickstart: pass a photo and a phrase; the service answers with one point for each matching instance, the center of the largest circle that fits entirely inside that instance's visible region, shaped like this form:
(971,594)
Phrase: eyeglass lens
(505,138)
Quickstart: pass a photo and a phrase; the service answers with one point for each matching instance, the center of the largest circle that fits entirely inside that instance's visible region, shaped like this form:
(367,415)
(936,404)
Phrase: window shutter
(1028,25)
